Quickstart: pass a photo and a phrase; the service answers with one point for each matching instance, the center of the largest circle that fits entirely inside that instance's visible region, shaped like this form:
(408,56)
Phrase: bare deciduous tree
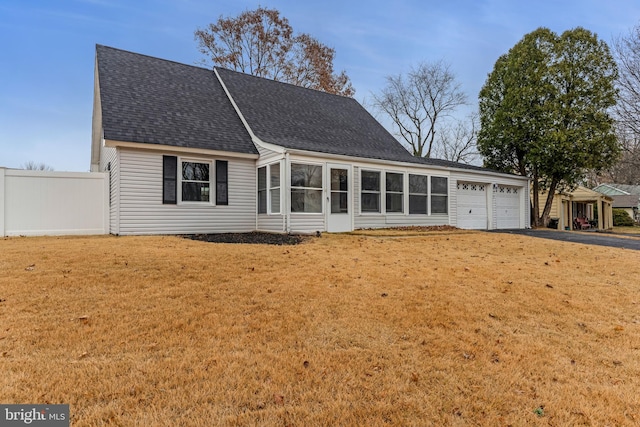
(262,43)
(627,54)
(34,166)
(457,141)
(418,102)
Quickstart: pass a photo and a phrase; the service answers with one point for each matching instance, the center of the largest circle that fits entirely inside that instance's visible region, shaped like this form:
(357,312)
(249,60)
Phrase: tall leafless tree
(35,166)
(457,141)
(419,102)
(262,43)
(627,54)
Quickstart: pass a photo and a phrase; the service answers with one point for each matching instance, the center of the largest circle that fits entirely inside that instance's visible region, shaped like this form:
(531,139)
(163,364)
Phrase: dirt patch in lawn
(429,328)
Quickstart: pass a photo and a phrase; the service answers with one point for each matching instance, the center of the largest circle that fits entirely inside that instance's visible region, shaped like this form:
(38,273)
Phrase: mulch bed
(257,237)
(253,237)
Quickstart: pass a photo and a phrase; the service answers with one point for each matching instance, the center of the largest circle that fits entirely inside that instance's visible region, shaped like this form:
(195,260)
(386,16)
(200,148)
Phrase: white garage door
(472,205)
(507,207)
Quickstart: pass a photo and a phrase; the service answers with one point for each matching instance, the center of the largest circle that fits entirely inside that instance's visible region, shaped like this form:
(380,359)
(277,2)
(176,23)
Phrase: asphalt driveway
(586,238)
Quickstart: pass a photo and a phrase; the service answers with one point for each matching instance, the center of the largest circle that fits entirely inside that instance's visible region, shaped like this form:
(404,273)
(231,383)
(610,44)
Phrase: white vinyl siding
(307,223)
(109,164)
(141,210)
(272,223)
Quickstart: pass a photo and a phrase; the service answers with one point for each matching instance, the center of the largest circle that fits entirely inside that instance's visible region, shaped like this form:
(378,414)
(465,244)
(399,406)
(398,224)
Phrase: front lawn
(437,328)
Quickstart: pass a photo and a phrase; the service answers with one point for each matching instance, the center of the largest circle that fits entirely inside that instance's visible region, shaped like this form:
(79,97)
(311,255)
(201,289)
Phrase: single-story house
(572,208)
(625,197)
(195,150)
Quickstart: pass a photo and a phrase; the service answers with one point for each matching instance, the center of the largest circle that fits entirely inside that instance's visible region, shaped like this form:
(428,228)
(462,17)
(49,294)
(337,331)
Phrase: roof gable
(155,101)
(304,119)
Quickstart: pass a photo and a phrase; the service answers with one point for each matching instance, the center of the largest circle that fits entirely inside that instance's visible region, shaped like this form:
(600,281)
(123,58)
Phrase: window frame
(387,192)
(425,195)
(269,189)
(379,192)
(445,195)
(212,182)
(264,189)
(320,189)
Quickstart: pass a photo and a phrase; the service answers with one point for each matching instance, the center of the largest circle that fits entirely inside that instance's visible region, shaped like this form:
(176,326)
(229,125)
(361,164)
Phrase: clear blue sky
(47,49)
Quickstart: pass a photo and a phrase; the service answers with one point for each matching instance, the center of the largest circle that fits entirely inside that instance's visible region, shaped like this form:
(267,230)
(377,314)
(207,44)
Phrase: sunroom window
(274,187)
(439,195)
(418,194)
(394,192)
(306,188)
(370,192)
(262,190)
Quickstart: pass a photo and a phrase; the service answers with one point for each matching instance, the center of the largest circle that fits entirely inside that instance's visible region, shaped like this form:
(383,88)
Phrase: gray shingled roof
(304,119)
(150,100)
(630,201)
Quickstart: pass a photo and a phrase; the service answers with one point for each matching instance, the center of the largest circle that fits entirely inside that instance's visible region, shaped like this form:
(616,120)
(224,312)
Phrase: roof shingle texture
(150,100)
(298,118)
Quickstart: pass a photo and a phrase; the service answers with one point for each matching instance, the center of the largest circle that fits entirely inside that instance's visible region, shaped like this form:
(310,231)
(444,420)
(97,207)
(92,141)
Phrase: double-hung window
(370,191)
(194,181)
(269,189)
(306,188)
(439,195)
(418,194)
(394,192)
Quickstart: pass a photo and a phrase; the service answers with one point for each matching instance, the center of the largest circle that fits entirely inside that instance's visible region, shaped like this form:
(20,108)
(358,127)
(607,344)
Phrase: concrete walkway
(586,238)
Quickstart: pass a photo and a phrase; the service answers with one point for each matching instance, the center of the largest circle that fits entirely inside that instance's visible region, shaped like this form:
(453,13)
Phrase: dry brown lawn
(411,329)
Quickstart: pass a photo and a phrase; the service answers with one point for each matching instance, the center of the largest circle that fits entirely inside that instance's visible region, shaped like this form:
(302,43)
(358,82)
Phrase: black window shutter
(169,180)
(222,185)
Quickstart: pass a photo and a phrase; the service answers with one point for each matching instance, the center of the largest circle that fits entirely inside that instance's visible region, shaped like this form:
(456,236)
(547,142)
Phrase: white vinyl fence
(38,203)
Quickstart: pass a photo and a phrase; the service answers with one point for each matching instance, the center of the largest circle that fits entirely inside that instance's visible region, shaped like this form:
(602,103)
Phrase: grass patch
(627,230)
(436,329)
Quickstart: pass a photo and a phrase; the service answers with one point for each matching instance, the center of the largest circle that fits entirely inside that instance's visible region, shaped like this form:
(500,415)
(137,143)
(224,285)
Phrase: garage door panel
(507,207)
(471,205)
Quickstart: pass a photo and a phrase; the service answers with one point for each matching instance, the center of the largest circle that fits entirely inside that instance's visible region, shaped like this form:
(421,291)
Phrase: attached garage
(507,207)
(472,205)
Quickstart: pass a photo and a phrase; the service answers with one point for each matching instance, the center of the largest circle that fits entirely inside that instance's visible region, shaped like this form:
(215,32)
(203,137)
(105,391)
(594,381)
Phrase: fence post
(2,193)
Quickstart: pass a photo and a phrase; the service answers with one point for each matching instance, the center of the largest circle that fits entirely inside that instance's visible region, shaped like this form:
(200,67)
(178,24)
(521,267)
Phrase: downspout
(287,191)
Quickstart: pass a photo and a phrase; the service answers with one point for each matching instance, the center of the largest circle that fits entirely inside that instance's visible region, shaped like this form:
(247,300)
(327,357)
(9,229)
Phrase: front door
(339,198)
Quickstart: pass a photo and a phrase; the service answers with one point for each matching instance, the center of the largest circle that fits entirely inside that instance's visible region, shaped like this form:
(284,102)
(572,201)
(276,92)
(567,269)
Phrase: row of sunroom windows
(427,194)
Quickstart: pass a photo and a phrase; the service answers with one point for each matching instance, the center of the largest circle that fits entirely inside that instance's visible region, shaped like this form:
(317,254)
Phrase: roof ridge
(152,57)
(282,83)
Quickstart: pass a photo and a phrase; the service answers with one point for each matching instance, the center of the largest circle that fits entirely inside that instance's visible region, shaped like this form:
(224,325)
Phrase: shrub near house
(621,218)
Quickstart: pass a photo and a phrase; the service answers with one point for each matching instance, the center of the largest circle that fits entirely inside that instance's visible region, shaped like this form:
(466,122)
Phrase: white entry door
(339,199)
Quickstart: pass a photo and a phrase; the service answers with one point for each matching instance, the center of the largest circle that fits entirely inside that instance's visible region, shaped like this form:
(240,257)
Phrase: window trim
(379,192)
(426,195)
(321,188)
(386,191)
(431,193)
(268,188)
(212,183)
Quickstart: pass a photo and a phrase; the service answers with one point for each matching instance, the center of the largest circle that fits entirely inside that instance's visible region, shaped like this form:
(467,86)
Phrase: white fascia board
(175,149)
